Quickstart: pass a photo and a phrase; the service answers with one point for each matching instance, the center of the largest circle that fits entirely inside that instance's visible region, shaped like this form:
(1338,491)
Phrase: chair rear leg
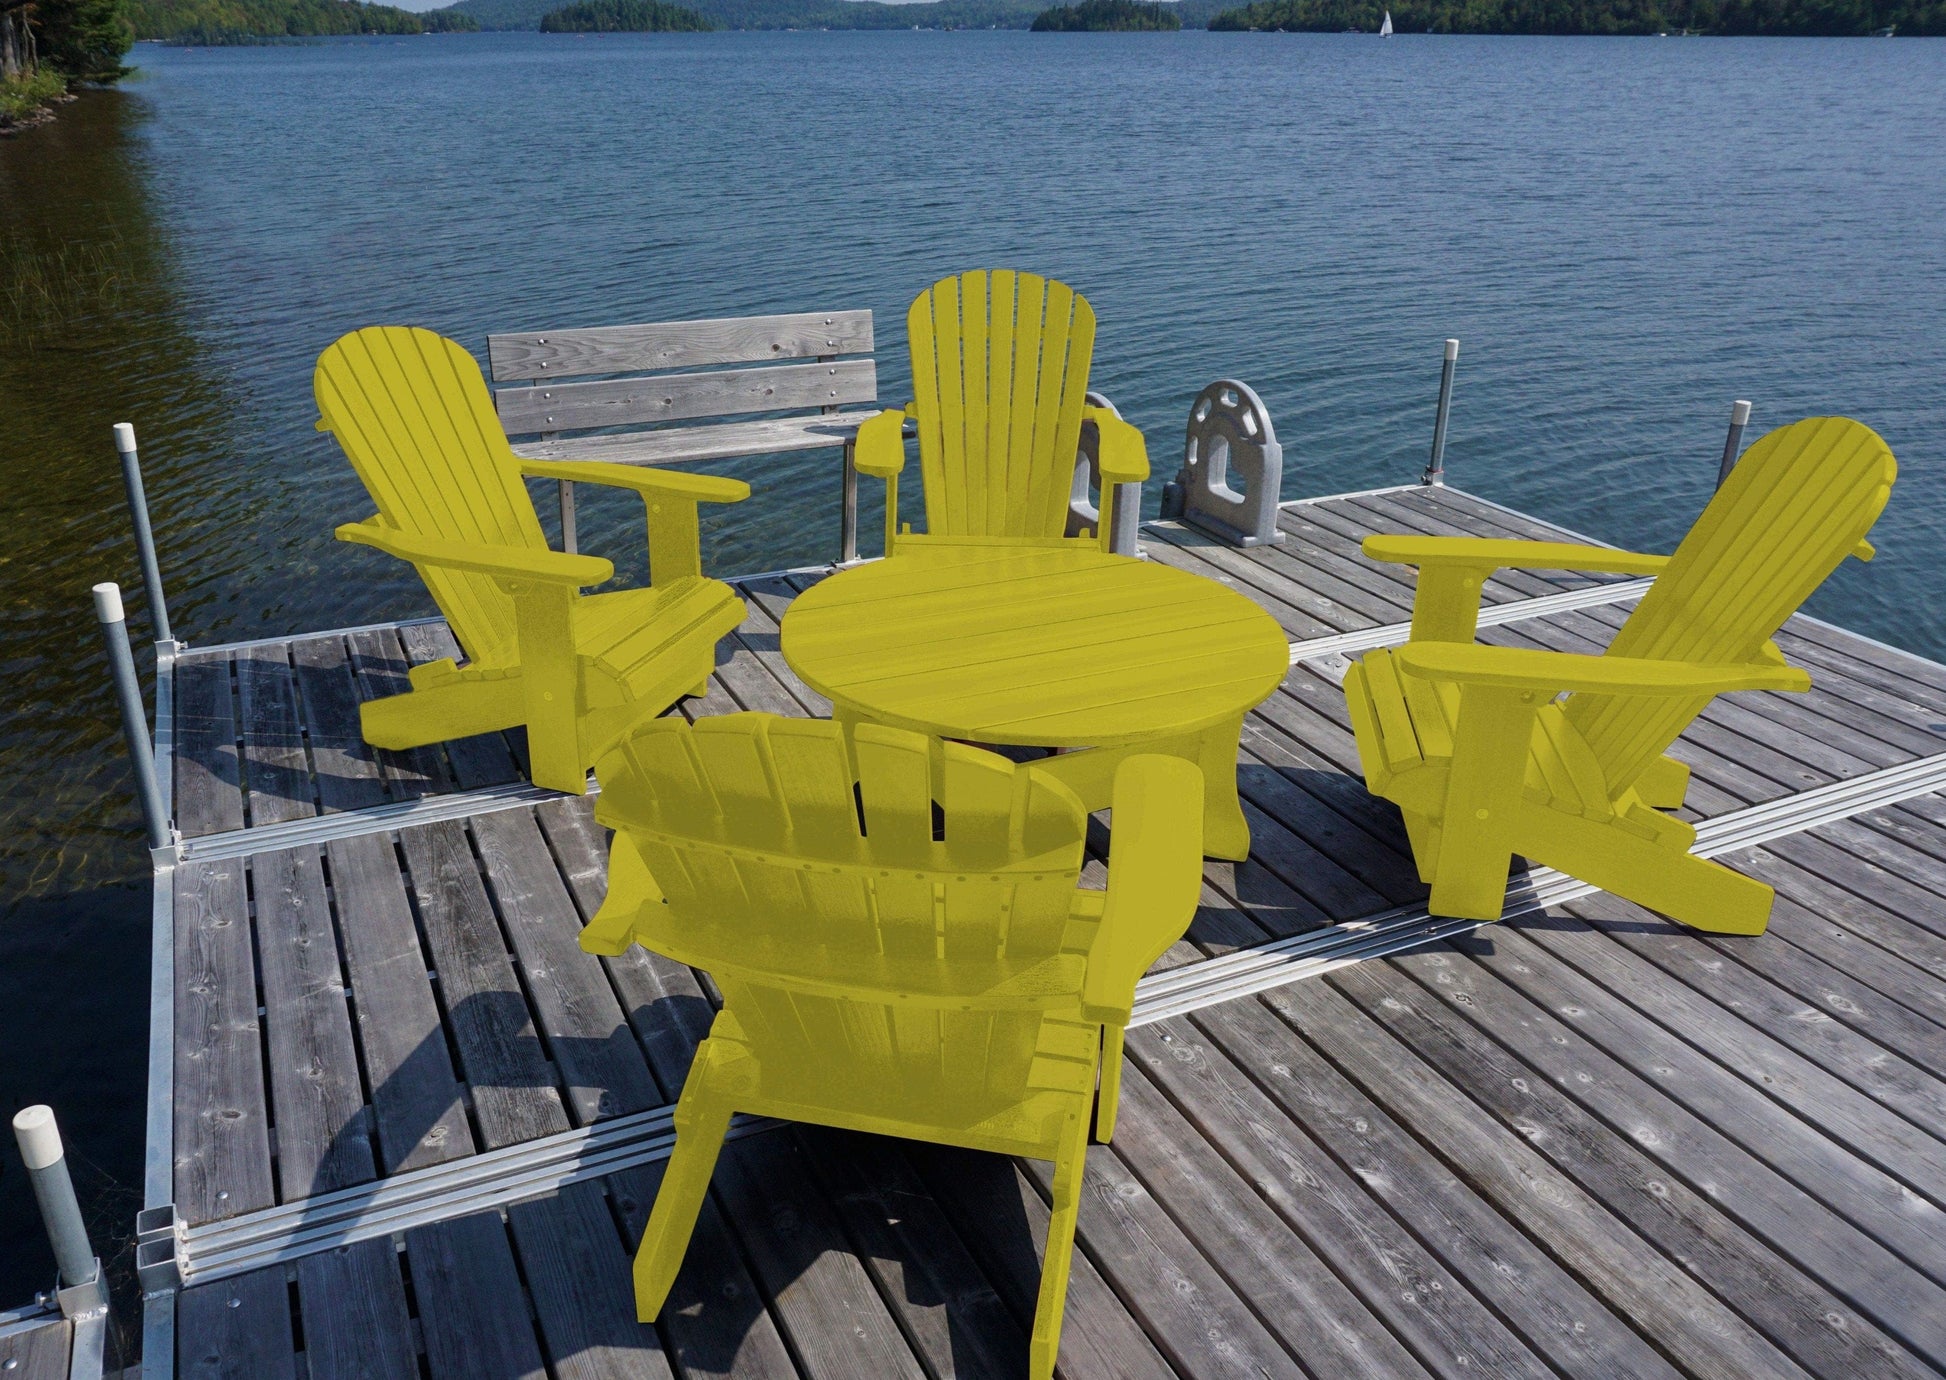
(701,1122)
(1693,891)
(1108,1097)
(554,742)
(1071,1162)
(1663,784)
(1423,834)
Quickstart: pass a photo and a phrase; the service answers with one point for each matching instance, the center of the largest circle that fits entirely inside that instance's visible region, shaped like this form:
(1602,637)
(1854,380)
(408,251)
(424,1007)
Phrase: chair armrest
(521,562)
(880,450)
(1517,668)
(1155,878)
(1124,457)
(703,488)
(1487,554)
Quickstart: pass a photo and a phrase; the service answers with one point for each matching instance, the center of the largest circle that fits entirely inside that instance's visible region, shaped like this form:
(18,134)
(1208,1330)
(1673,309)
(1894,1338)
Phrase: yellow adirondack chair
(1485,761)
(1000,374)
(960,990)
(414,418)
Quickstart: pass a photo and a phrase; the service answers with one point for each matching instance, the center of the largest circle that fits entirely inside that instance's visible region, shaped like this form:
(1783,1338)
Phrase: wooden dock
(408,1128)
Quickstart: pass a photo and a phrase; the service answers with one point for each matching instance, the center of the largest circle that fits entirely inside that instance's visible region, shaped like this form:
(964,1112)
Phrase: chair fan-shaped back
(412,412)
(1795,505)
(809,877)
(999,374)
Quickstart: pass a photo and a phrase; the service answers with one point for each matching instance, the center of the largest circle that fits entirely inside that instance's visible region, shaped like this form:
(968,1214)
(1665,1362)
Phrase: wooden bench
(656,395)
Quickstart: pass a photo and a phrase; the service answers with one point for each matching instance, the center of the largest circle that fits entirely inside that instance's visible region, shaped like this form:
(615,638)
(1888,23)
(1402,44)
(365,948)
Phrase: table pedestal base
(1090,773)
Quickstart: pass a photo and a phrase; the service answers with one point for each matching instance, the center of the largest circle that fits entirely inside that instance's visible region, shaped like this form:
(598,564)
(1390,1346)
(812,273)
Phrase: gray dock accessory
(1083,515)
(47,1168)
(1230,438)
(81,1290)
(1436,466)
(138,509)
(1733,443)
(135,724)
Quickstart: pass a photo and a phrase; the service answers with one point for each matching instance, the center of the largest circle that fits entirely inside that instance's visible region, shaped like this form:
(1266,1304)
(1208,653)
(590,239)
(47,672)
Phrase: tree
(17,57)
(83,40)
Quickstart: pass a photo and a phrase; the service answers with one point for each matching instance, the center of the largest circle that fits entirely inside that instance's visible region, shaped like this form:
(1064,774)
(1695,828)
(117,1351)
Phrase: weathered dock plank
(36,1353)
(415,1094)
(352,1304)
(514,1089)
(237,1329)
(316,1093)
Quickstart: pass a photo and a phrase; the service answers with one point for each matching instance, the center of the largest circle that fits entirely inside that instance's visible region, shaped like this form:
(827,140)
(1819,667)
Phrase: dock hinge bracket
(159,1249)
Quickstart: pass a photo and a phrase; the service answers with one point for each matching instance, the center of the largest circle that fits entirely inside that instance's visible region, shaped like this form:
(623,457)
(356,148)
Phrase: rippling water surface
(1626,234)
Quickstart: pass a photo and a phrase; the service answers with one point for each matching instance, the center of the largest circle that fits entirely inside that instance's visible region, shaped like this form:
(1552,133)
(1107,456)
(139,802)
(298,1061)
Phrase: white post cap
(1452,349)
(108,602)
(39,1137)
(124,438)
(1739,412)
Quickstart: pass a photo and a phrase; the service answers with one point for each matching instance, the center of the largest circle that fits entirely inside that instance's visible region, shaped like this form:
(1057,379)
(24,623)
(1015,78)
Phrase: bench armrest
(1517,668)
(518,562)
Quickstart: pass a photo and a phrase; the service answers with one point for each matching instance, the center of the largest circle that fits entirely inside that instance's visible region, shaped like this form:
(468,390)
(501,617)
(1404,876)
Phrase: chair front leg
(1446,606)
(1071,1162)
(1483,795)
(551,683)
(675,537)
(702,1120)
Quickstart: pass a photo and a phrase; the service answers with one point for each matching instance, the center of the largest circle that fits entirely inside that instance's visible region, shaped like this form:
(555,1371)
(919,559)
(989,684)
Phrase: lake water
(1626,234)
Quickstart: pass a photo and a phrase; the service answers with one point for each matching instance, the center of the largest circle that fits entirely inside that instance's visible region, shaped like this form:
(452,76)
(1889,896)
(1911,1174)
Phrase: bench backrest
(637,376)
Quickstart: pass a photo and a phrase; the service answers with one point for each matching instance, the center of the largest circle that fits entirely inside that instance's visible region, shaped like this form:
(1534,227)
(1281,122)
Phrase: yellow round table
(1060,647)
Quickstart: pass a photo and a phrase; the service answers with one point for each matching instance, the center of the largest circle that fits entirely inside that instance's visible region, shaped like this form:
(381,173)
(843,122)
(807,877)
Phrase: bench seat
(684,445)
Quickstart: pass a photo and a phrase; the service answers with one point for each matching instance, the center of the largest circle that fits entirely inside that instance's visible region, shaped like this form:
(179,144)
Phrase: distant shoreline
(280,40)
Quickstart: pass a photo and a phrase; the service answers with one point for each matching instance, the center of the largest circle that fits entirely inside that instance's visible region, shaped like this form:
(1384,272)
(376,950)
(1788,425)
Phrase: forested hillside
(623,17)
(1801,18)
(828,14)
(242,21)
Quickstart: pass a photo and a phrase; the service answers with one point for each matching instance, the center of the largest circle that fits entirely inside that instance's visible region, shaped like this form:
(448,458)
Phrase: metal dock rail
(400,1125)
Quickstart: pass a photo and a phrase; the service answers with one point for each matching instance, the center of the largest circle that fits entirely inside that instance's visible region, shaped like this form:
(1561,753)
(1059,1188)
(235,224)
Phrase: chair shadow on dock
(799,1218)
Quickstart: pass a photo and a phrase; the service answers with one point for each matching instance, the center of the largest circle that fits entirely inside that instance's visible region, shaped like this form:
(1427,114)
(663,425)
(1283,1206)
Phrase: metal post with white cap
(135,725)
(1733,443)
(1436,466)
(138,507)
(47,1169)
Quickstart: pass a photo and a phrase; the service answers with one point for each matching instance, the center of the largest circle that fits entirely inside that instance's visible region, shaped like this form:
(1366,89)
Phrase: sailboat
(1385,29)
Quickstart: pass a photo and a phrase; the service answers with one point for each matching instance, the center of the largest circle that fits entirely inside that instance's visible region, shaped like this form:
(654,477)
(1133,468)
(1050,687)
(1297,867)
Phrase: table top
(1036,646)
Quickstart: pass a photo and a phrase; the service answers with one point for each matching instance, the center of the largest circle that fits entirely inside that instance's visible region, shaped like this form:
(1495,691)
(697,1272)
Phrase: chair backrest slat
(1000,374)
(412,412)
(1795,505)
